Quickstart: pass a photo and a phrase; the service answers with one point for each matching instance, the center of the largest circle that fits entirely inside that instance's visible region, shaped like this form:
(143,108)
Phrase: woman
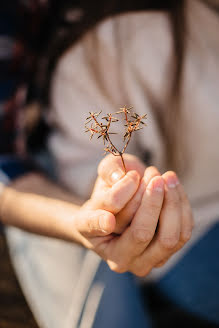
(129,58)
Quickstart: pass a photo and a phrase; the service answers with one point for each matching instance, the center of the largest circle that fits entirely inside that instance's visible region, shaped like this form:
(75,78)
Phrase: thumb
(94,223)
(111,169)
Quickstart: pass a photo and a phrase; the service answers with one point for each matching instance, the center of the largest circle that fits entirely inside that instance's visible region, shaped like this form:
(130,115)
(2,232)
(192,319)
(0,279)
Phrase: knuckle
(152,170)
(172,202)
(142,272)
(187,232)
(117,267)
(133,176)
(185,201)
(89,226)
(153,208)
(186,236)
(169,243)
(160,264)
(142,235)
(103,164)
(115,202)
(112,202)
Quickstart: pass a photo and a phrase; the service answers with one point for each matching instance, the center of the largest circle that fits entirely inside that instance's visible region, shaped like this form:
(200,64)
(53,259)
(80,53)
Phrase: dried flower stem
(133,123)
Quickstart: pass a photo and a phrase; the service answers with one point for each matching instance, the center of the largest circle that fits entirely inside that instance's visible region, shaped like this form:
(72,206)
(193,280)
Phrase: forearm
(35,204)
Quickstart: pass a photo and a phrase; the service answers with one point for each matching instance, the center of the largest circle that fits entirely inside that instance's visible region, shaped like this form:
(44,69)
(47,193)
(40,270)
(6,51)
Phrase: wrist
(68,223)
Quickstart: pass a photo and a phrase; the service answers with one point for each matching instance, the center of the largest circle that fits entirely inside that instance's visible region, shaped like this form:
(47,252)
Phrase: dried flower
(133,122)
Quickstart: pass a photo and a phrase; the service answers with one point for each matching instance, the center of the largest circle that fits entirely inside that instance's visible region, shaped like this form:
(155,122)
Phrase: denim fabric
(121,304)
(192,285)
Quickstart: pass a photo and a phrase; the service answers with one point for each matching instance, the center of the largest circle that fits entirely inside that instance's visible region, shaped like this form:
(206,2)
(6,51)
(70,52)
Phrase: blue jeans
(192,285)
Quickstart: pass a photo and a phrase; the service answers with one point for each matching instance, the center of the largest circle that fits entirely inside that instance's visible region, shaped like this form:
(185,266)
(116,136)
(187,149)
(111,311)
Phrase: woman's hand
(144,244)
(119,193)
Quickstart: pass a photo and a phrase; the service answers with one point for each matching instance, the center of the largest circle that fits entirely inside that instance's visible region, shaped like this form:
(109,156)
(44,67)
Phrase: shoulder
(136,43)
(143,44)
(134,32)
(144,29)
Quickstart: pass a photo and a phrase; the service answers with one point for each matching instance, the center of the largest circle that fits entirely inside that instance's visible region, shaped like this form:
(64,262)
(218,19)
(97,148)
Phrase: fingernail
(157,185)
(172,181)
(116,176)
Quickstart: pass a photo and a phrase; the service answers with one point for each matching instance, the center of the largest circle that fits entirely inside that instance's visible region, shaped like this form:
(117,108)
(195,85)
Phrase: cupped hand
(161,226)
(161,221)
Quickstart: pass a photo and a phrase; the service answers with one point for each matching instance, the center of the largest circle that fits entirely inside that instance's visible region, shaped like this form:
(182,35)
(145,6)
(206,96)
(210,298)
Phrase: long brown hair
(63,32)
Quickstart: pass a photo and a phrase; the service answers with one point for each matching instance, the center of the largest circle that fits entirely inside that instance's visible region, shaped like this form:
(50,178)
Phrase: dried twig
(133,122)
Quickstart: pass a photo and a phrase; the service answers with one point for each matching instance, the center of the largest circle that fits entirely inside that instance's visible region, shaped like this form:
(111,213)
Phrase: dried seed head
(132,124)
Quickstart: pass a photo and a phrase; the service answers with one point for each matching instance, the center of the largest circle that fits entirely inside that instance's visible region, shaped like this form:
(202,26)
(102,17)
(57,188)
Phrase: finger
(93,223)
(161,263)
(125,216)
(111,169)
(122,192)
(114,198)
(187,217)
(138,235)
(149,173)
(187,222)
(170,218)
(169,228)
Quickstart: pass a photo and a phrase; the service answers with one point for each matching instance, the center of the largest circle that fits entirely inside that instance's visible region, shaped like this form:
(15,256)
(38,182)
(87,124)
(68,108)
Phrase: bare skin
(143,244)
(120,220)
